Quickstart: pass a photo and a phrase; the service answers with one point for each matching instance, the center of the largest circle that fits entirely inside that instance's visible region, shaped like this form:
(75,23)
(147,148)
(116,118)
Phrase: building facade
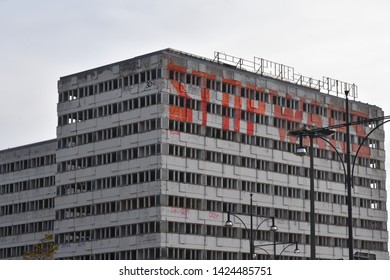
(151,153)
(27,193)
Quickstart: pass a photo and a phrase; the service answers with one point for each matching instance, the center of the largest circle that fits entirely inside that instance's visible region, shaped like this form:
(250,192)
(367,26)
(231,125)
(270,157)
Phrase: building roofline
(170,50)
(36,144)
(241,64)
(115,63)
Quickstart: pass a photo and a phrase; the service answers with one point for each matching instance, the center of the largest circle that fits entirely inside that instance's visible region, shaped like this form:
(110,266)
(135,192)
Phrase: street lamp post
(296,250)
(312,204)
(349,179)
(323,133)
(250,231)
(301,150)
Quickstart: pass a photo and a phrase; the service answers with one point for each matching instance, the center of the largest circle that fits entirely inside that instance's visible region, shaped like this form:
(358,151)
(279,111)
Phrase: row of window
(108,232)
(108,158)
(171,253)
(228,135)
(28,206)
(109,133)
(155,253)
(27,164)
(110,182)
(229,159)
(139,254)
(109,85)
(265,235)
(263,96)
(27,185)
(27,228)
(109,109)
(218,206)
(108,207)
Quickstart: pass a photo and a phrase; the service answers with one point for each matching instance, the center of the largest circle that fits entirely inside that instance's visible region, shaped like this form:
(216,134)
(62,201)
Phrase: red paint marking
(282,134)
(180,211)
(359,114)
(321,143)
(237,102)
(330,119)
(172,66)
(231,81)
(184,114)
(225,103)
(204,75)
(315,120)
(173,132)
(301,101)
(252,87)
(364,151)
(288,114)
(315,103)
(237,106)
(180,114)
(205,97)
(250,128)
(298,116)
(180,89)
(251,106)
(359,129)
(225,123)
(334,142)
(225,99)
(214,215)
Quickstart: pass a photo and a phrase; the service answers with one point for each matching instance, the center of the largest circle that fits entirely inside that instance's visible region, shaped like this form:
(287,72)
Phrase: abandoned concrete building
(152,152)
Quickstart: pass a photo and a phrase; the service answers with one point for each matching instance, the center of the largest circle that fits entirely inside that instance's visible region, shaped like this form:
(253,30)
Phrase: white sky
(42,40)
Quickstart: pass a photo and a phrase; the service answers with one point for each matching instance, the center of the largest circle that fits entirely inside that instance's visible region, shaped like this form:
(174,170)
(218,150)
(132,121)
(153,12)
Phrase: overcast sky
(42,40)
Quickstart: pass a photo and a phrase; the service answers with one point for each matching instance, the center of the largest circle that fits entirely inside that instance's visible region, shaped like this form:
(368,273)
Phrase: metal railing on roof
(286,73)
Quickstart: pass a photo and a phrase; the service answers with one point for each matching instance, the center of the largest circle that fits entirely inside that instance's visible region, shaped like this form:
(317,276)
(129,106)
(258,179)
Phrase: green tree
(44,250)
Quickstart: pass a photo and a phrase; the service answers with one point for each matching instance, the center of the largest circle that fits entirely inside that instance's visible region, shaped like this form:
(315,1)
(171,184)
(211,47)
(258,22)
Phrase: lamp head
(229,222)
(297,251)
(273,226)
(301,151)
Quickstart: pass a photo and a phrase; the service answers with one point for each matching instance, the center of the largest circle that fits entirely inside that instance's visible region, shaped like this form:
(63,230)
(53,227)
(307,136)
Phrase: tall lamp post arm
(284,249)
(242,222)
(257,247)
(361,144)
(263,222)
(296,251)
(337,152)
